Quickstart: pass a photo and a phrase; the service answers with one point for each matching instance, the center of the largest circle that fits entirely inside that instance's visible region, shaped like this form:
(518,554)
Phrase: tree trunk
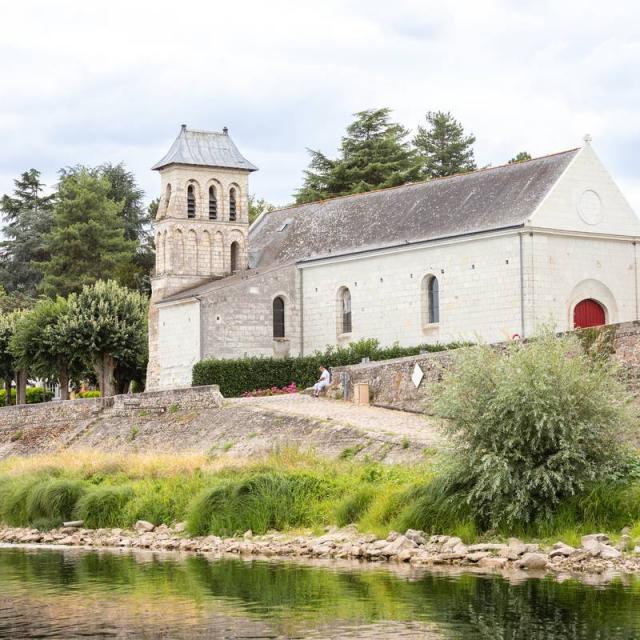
(21,387)
(63,379)
(105,366)
(7,388)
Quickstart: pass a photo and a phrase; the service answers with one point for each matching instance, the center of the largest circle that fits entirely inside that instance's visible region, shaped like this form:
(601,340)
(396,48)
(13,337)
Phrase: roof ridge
(426,181)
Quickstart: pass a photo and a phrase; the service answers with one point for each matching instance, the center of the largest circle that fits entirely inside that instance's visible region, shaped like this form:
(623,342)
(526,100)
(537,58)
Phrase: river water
(53,593)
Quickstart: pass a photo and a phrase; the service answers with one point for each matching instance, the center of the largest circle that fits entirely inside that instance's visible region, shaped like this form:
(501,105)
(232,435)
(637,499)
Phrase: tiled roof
(205,148)
(474,202)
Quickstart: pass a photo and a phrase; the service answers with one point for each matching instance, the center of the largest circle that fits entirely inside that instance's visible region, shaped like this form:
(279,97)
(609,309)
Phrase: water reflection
(71,593)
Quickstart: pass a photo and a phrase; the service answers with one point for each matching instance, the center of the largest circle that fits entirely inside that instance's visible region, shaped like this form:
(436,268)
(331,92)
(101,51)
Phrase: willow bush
(531,427)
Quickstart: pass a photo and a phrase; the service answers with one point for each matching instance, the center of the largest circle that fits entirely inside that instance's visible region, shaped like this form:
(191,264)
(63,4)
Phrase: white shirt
(325,376)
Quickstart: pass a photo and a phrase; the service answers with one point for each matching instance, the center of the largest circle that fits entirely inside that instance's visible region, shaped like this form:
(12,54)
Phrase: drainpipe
(301,307)
(521,286)
(635,273)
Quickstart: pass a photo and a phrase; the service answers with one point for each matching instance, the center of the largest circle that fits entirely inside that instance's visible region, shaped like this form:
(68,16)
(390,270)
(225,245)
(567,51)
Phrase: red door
(588,313)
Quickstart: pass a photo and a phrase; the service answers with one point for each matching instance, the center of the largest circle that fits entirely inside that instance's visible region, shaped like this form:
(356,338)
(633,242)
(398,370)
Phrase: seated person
(325,379)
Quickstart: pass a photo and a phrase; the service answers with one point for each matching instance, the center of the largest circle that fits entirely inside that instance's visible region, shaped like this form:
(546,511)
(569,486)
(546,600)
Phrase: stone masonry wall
(391,386)
(62,421)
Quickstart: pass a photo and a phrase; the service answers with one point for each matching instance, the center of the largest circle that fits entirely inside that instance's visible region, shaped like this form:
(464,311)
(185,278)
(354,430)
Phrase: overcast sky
(91,81)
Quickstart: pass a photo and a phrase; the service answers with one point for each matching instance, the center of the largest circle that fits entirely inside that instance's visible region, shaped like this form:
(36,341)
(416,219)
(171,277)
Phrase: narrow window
(235,256)
(232,204)
(191,202)
(167,197)
(345,308)
(278,317)
(433,290)
(213,204)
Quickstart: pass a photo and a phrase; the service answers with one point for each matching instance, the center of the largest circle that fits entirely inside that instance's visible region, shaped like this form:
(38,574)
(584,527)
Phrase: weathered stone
(608,552)
(476,556)
(492,563)
(598,537)
(486,546)
(563,551)
(400,543)
(532,561)
(416,536)
(248,534)
(143,526)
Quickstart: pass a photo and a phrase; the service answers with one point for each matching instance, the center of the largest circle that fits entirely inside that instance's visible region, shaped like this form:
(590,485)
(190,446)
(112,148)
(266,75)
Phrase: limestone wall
(391,385)
(53,425)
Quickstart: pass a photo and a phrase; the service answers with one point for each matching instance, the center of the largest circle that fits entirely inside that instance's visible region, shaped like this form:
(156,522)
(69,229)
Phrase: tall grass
(289,490)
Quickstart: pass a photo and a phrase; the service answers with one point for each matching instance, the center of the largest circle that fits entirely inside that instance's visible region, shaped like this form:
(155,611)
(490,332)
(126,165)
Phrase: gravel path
(418,428)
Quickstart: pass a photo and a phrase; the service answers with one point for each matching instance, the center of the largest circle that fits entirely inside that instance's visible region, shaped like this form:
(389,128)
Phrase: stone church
(483,255)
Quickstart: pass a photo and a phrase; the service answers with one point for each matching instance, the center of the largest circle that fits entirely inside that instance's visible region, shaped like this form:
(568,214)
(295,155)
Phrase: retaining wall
(390,382)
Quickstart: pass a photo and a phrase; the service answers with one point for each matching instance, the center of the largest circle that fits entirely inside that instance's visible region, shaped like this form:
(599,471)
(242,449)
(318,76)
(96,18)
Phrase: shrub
(242,375)
(35,395)
(531,426)
(352,508)
(259,502)
(104,506)
(89,394)
(53,501)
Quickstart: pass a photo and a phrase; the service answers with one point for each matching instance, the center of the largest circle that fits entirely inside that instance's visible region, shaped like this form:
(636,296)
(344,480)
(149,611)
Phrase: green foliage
(8,323)
(35,395)
(109,325)
(374,154)
(104,506)
(443,146)
(258,206)
(531,427)
(522,156)
(87,241)
(235,377)
(260,502)
(43,344)
(16,435)
(89,394)
(28,216)
(352,508)
(53,500)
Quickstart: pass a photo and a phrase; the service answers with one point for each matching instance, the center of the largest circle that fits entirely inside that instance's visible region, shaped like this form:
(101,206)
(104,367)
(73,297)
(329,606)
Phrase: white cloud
(109,81)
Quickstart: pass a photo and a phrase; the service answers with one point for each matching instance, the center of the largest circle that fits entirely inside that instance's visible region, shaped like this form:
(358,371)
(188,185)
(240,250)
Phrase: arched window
(191,202)
(167,197)
(232,204)
(278,317)
(235,257)
(213,204)
(433,300)
(344,311)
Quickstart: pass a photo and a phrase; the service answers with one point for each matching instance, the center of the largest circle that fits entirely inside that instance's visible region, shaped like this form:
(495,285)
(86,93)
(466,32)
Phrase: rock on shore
(595,555)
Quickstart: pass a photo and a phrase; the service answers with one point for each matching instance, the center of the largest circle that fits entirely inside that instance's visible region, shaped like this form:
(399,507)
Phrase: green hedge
(34,395)
(248,374)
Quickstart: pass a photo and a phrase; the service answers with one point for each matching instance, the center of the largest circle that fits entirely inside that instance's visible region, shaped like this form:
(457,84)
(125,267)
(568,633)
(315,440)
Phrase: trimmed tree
(443,146)
(8,365)
(43,344)
(109,323)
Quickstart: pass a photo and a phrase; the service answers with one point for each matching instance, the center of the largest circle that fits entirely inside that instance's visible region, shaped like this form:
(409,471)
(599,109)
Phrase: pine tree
(373,154)
(443,146)
(520,157)
(87,241)
(28,216)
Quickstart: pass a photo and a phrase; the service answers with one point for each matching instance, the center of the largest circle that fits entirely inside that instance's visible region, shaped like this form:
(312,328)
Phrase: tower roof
(205,149)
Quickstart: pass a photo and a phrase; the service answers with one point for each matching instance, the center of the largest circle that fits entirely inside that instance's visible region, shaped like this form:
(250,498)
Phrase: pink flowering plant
(273,391)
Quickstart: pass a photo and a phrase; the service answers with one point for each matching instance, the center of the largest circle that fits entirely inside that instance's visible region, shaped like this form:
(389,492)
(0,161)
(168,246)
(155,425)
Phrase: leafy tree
(373,154)
(531,427)
(43,344)
(29,217)
(7,360)
(14,301)
(109,323)
(443,146)
(258,206)
(87,240)
(520,157)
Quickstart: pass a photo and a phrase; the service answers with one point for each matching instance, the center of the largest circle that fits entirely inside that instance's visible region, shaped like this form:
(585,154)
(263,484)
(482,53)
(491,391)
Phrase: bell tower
(202,224)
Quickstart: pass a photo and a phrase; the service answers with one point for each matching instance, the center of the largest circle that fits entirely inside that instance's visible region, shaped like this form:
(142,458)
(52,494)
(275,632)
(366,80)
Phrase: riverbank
(595,556)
